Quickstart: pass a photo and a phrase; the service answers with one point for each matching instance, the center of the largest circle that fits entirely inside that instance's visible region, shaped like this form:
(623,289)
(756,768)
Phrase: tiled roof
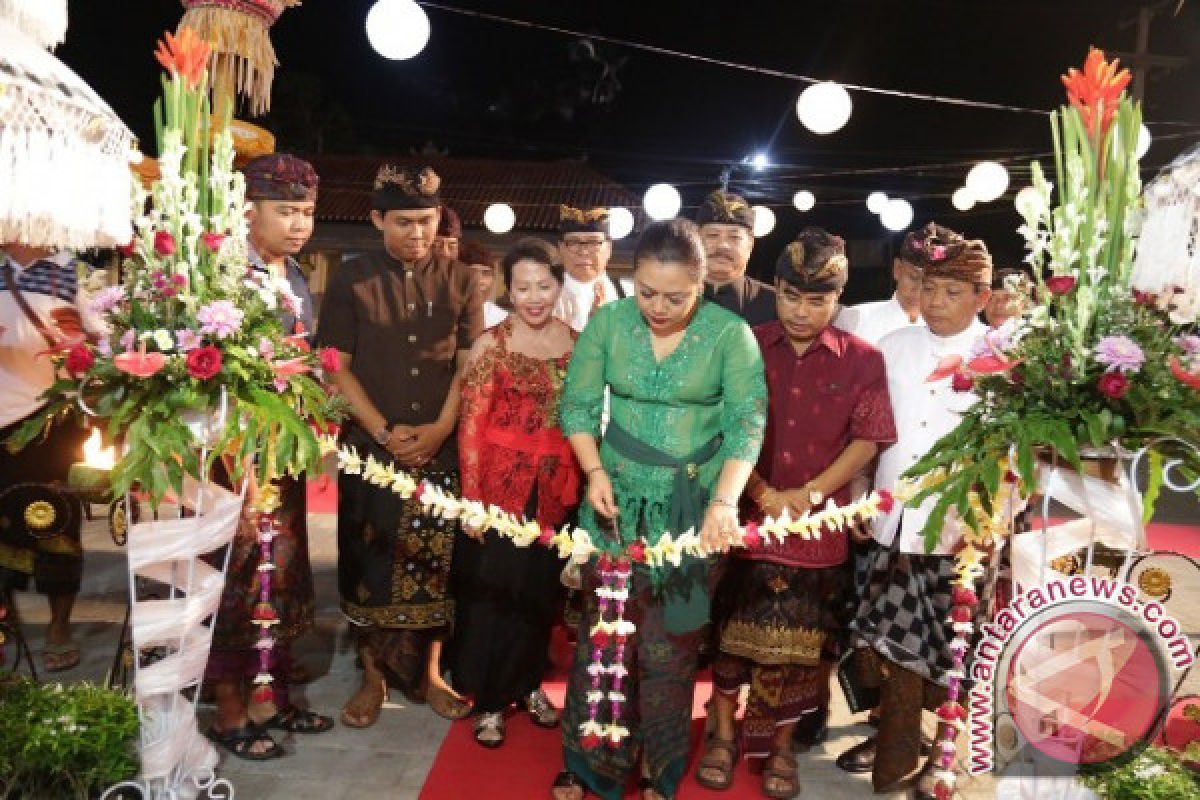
(534,189)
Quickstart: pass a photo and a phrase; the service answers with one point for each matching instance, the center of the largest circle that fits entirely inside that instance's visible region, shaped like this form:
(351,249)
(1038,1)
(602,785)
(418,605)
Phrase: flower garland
(265,615)
(607,635)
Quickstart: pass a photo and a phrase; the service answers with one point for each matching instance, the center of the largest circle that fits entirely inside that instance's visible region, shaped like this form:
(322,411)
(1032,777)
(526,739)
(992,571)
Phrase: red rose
(962,382)
(204,362)
(164,243)
(212,241)
(1060,284)
(1113,385)
(79,360)
(127,249)
(331,361)
(886,501)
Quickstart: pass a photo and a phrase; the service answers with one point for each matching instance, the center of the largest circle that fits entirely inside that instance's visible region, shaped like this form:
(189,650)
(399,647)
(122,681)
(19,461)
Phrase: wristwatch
(382,435)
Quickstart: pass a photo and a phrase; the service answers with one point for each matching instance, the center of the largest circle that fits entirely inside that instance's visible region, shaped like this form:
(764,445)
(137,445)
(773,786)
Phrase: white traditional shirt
(873,321)
(575,304)
(924,411)
(51,288)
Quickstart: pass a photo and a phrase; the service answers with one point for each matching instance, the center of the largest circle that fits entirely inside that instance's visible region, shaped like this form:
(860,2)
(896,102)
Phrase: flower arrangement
(1095,362)
(192,329)
(1155,774)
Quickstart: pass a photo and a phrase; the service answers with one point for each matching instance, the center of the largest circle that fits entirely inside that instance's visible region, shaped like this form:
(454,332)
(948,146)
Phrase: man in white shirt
(585,248)
(905,593)
(42,307)
(873,321)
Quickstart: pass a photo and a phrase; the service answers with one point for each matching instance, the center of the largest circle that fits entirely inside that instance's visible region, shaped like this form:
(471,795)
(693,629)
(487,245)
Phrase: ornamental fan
(43,21)
(243,59)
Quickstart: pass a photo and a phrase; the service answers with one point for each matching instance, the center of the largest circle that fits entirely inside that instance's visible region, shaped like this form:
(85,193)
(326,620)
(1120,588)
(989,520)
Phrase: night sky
(485,88)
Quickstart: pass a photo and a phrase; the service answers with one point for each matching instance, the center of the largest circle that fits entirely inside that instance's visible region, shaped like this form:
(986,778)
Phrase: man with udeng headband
(727,229)
(903,618)
(402,319)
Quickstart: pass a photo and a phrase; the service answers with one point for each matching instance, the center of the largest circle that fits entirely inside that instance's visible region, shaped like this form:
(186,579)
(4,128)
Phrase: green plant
(64,742)
(1155,774)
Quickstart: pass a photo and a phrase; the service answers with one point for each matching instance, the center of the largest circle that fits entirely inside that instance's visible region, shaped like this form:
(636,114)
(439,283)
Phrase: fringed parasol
(43,21)
(1168,257)
(64,154)
(243,59)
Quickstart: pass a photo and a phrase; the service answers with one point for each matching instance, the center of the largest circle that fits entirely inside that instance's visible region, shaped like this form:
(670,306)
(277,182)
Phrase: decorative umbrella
(64,154)
(243,59)
(43,21)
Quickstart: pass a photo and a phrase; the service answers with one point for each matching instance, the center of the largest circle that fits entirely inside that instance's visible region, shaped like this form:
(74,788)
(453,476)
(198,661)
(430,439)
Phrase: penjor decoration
(243,58)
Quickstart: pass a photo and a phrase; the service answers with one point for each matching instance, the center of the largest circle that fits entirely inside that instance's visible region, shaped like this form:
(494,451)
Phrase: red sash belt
(541,444)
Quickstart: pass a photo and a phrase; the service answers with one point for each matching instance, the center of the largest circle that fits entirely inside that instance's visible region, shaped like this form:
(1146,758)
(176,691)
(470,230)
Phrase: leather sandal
(720,756)
(780,769)
(299,720)
(239,741)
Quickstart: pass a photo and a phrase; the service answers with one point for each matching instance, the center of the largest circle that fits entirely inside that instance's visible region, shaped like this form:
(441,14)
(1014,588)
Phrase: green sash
(686,602)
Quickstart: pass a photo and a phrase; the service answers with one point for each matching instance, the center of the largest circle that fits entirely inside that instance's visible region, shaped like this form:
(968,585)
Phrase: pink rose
(331,361)
(1060,284)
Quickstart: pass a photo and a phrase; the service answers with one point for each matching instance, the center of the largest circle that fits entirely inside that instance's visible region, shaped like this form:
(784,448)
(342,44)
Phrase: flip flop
(238,741)
(66,656)
(446,705)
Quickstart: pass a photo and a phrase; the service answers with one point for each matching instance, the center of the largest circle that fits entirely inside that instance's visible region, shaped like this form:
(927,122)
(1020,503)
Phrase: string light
(397,29)
(962,199)
(662,201)
(877,202)
(897,214)
(620,222)
(824,107)
(987,180)
(499,218)
(804,200)
(764,221)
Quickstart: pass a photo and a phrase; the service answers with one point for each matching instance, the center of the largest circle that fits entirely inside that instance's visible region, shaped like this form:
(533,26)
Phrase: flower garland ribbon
(608,635)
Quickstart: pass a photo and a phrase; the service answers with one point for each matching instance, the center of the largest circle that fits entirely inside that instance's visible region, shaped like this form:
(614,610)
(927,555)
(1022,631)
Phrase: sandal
(489,729)
(357,713)
(541,710)
(780,769)
(568,780)
(299,720)
(60,657)
(238,741)
(446,705)
(720,756)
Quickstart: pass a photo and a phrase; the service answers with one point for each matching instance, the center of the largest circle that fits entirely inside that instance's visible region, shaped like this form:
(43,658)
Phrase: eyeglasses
(583,245)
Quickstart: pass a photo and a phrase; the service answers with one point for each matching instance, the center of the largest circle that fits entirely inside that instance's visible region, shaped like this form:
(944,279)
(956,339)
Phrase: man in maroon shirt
(829,414)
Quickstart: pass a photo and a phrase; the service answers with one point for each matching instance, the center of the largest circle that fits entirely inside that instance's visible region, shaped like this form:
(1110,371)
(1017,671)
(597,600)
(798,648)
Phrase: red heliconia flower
(1060,284)
(164,243)
(1191,379)
(886,501)
(1096,91)
(185,55)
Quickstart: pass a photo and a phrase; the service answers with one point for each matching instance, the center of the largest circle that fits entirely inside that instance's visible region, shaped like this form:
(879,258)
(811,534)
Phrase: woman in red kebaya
(513,455)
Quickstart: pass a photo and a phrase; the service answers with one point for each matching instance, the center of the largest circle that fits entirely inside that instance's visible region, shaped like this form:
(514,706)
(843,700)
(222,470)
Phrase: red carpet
(525,766)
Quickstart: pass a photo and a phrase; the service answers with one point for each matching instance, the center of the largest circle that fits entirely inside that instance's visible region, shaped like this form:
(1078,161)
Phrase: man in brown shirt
(403,319)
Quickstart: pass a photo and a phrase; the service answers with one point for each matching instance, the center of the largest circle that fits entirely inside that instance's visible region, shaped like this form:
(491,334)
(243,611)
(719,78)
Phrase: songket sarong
(659,686)
(233,655)
(394,566)
(774,631)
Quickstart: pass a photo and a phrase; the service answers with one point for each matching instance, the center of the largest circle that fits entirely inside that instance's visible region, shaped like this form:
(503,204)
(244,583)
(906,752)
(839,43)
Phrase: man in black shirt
(727,227)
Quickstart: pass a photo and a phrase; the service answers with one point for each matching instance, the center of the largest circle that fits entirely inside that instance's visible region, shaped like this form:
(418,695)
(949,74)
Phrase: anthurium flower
(185,55)
(991,364)
(948,366)
(1096,91)
(139,363)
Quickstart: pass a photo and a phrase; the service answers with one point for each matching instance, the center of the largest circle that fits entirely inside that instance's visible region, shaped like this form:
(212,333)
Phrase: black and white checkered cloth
(904,609)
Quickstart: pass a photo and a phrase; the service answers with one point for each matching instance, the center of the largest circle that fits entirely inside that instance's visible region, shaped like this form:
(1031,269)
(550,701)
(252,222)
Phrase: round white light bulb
(662,201)
(824,107)
(876,202)
(804,200)
(620,222)
(499,218)
(962,199)
(397,29)
(1144,141)
(764,221)
(897,214)
(987,181)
